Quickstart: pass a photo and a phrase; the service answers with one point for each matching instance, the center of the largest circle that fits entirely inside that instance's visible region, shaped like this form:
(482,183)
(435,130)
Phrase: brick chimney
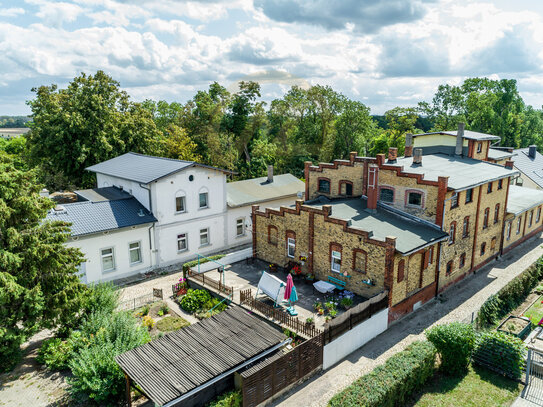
(459,139)
(408,145)
(392,155)
(352,156)
(509,164)
(373,178)
(417,157)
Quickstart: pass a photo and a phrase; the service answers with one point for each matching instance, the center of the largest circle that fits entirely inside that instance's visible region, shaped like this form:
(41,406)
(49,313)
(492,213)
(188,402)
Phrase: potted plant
(329,306)
(346,302)
(310,321)
(320,311)
(327,318)
(317,305)
(182,287)
(333,313)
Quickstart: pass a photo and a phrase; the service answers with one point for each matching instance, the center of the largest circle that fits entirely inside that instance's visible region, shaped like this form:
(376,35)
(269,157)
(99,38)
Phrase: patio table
(324,287)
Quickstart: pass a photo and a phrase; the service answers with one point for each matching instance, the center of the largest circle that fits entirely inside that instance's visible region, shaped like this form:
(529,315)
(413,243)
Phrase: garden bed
(535,312)
(159,318)
(516,326)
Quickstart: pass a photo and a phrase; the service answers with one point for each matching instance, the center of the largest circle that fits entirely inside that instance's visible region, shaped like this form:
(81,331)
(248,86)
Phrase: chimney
(532,150)
(373,176)
(509,164)
(44,193)
(417,157)
(408,145)
(459,139)
(392,155)
(270,173)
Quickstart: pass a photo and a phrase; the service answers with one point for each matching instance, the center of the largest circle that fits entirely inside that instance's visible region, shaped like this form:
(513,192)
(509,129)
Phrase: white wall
(354,339)
(91,246)
(134,188)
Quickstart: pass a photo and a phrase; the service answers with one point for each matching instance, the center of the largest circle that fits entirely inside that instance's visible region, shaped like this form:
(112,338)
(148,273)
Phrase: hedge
(392,383)
(454,343)
(500,352)
(192,263)
(509,297)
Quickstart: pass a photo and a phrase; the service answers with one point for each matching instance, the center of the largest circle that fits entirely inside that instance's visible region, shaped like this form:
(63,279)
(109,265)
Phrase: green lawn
(479,387)
(535,312)
(169,324)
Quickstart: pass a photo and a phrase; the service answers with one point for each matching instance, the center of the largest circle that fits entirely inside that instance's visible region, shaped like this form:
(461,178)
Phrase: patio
(244,275)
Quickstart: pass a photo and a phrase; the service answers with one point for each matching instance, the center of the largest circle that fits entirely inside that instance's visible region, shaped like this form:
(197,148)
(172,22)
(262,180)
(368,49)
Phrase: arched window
(180,202)
(485,219)
(324,185)
(203,198)
(345,188)
(401,271)
(465,229)
(497,213)
(386,194)
(452,232)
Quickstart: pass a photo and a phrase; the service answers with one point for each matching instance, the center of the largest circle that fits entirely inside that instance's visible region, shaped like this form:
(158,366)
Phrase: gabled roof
(256,190)
(531,167)
(144,168)
(468,134)
(94,217)
(463,172)
(521,199)
(181,361)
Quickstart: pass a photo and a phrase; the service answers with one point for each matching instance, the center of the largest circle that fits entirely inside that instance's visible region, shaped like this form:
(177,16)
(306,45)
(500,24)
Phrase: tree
(177,144)
(39,287)
(354,129)
(400,120)
(90,121)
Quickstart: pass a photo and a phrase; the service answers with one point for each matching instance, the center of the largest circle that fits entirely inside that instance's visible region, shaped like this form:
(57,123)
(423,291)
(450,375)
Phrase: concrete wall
(354,339)
(437,140)
(119,240)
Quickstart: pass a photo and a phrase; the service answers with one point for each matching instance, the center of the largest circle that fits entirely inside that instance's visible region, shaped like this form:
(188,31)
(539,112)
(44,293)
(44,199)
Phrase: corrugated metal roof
(252,191)
(94,217)
(468,134)
(143,168)
(410,234)
(462,172)
(496,154)
(170,366)
(531,167)
(521,199)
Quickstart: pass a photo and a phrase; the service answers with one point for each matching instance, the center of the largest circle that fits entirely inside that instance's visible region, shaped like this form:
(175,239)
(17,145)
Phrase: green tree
(39,287)
(177,144)
(354,129)
(90,121)
(400,120)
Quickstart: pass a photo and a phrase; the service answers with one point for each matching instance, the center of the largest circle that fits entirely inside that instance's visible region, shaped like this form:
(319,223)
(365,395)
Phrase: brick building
(411,225)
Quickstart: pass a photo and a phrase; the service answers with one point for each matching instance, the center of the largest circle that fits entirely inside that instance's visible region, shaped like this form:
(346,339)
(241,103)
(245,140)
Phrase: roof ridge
(160,158)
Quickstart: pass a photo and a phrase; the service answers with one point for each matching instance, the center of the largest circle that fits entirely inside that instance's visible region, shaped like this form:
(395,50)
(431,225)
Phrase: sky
(384,53)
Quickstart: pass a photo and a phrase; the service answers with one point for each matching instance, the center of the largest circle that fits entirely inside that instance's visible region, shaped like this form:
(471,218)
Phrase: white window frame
(206,193)
(240,222)
(102,256)
(186,239)
(336,261)
(130,249)
(291,243)
(184,201)
(204,231)
(452,233)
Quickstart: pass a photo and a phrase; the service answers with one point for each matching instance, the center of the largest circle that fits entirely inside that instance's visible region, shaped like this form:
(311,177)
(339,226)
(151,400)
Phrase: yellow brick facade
(520,225)
(336,173)
(483,153)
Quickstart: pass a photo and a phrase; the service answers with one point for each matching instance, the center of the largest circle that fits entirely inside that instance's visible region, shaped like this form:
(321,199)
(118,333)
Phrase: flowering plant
(297,270)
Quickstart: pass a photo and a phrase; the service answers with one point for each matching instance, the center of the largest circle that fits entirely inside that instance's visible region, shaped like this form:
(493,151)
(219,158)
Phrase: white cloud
(11,12)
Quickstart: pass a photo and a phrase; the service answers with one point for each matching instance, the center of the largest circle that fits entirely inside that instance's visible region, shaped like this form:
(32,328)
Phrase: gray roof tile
(94,217)
(531,167)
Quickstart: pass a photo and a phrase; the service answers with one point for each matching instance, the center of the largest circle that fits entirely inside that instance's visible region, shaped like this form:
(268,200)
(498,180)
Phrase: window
(508,233)
(272,235)
(179,204)
(386,195)
(427,259)
(204,237)
(401,271)
(134,250)
(291,247)
(489,188)
(324,185)
(485,220)
(479,147)
(452,231)
(530,219)
(182,243)
(469,195)
(359,263)
(414,199)
(519,220)
(497,213)
(454,201)
(493,243)
(345,188)
(203,200)
(240,227)
(431,259)
(483,248)
(336,261)
(462,260)
(449,269)
(538,215)
(500,184)
(108,259)
(465,228)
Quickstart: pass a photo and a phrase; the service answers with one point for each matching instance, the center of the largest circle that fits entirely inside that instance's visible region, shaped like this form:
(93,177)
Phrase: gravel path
(457,304)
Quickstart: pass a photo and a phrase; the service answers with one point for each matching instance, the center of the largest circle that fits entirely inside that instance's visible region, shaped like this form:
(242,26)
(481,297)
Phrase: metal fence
(142,300)
(204,281)
(533,391)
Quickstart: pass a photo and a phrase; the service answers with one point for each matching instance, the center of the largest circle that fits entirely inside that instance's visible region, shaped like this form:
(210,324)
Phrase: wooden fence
(356,315)
(206,282)
(267,378)
(277,314)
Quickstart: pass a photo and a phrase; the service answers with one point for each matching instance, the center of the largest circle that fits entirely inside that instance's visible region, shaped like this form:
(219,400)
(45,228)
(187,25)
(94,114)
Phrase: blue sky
(385,53)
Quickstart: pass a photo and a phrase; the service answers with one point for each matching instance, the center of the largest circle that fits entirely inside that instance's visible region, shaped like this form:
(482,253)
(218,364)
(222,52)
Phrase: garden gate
(533,391)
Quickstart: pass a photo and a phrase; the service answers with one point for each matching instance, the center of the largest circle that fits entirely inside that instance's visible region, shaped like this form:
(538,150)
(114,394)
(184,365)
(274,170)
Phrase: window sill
(290,257)
(136,263)
(413,206)
(205,245)
(180,213)
(183,250)
(109,271)
(203,207)
(242,235)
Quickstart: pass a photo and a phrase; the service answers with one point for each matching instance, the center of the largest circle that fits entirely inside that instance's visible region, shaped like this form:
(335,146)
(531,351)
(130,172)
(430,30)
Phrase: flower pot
(182,291)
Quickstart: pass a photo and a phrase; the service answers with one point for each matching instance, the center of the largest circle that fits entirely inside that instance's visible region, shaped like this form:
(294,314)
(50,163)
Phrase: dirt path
(457,304)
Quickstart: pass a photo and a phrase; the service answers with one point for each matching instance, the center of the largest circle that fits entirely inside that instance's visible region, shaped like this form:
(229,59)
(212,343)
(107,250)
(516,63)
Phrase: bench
(340,284)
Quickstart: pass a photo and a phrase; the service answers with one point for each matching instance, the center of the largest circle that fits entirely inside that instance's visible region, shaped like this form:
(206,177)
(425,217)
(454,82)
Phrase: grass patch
(479,387)
(535,312)
(170,324)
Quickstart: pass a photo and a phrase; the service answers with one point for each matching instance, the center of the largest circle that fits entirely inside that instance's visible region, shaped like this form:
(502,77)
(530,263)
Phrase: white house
(190,209)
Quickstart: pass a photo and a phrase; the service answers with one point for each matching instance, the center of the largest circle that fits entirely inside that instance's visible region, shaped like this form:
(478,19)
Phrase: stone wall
(338,173)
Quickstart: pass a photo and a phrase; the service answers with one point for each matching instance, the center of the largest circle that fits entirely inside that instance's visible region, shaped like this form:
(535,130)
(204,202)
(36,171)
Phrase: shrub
(500,352)
(392,383)
(55,354)
(148,322)
(194,300)
(230,399)
(454,343)
(164,308)
(145,310)
(103,297)
(215,304)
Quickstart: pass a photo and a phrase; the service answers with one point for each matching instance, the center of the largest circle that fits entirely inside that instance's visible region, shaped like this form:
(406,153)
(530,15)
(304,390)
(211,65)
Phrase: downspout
(151,211)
